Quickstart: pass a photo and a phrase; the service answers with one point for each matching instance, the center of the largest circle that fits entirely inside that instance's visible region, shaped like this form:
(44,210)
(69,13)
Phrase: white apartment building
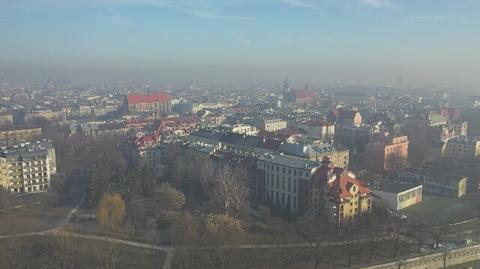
(28,167)
(287,179)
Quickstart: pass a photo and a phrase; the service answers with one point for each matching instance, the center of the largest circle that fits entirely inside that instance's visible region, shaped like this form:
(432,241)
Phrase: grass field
(47,252)
(443,209)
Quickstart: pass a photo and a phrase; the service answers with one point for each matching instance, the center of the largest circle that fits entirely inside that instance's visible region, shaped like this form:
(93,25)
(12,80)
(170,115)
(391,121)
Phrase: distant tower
(286,87)
(287,92)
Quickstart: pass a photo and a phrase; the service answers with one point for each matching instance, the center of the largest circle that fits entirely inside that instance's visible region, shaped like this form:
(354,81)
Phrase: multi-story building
(155,103)
(47,114)
(16,136)
(244,129)
(305,96)
(387,153)
(28,167)
(6,118)
(345,117)
(339,195)
(461,148)
(287,180)
(271,125)
(397,196)
(443,185)
(318,129)
(317,152)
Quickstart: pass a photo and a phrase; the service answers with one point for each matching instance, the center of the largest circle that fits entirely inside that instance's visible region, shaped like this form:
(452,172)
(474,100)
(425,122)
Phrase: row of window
(284,170)
(271,182)
(282,199)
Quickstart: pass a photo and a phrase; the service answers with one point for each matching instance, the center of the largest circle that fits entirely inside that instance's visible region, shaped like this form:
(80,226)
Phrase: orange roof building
(344,197)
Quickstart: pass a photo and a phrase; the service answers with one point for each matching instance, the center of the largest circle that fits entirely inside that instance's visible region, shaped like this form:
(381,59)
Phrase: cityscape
(138,134)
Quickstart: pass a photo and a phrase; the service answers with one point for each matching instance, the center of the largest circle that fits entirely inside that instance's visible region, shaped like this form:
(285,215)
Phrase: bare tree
(438,233)
(229,194)
(135,214)
(398,237)
(107,257)
(350,241)
(312,229)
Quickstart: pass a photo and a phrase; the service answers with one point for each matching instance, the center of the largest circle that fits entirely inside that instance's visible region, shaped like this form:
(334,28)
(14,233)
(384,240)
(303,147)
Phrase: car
(403,217)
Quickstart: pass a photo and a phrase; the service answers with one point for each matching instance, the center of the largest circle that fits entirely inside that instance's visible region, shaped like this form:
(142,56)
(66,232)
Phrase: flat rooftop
(398,187)
(290,161)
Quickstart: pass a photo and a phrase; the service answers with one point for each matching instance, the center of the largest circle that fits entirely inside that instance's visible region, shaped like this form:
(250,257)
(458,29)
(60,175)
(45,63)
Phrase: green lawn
(444,209)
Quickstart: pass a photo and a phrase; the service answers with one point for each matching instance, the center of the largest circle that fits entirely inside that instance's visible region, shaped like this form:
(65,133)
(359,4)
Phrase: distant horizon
(318,42)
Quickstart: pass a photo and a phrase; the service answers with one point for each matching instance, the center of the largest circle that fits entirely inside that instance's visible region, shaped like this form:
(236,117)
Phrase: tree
(111,210)
(6,199)
(221,230)
(107,257)
(314,231)
(398,237)
(372,225)
(168,198)
(229,194)
(135,213)
(438,233)
(349,235)
(420,234)
(185,231)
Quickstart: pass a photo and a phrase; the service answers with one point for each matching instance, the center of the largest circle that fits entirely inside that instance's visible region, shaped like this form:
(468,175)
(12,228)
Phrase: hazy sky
(319,41)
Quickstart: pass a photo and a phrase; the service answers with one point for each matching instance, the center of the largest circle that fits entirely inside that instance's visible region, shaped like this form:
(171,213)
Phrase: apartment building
(318,129)
(271,125)
(317,152)
(287,180)
(338,195)
(150,103)
(28,167)
(461,148)
(10,137)
(442,185)
(387,153)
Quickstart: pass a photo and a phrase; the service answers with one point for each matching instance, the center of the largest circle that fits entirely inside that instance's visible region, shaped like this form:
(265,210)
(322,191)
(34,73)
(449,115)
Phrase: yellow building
(345,199)
(6,119)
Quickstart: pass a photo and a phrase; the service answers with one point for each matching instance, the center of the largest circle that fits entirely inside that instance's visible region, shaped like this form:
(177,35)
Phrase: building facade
(340,197)
(397,196)
(319,129)
(387,153)
(16,136)
(287,180)
(461,148)
(155,103)
(271,125)
(28,167)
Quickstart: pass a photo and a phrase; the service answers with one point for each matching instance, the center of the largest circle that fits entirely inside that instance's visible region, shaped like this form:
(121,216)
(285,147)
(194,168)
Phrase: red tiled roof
(342,184)
(303,94)
(138,98)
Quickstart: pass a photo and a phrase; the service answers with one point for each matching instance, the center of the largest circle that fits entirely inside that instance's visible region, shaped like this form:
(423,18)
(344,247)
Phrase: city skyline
(319,42)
